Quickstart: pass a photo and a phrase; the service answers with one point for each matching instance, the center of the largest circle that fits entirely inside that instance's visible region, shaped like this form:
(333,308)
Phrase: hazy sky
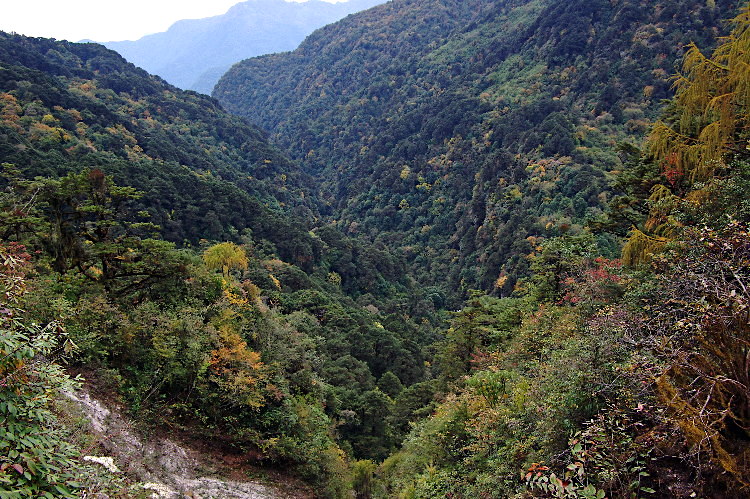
(103,20)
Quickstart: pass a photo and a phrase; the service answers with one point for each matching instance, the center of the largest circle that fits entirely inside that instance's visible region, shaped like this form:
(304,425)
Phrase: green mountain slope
(478,139)
(290,348)
(206,174)
(464,132)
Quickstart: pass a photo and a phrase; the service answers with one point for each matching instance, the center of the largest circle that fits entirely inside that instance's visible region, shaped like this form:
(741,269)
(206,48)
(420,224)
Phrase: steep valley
(445,248)
(460,132)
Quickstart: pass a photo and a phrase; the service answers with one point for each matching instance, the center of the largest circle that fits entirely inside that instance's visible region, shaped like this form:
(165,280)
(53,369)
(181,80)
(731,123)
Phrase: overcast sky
(103,20)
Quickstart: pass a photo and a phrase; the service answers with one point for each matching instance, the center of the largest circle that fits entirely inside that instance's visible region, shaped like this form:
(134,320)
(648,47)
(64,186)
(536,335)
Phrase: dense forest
(487,249)
(122,187)
(460,131)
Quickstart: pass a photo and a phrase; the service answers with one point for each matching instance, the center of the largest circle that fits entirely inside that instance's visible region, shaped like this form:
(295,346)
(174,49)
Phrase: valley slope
(465,132)
(184,255)
(481,156)
(206,173)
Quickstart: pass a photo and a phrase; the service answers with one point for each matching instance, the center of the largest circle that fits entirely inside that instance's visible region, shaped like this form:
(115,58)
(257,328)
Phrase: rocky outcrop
(166,468)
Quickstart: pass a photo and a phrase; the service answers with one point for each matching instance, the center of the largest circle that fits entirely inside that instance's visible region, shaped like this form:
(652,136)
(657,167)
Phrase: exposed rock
(167,469)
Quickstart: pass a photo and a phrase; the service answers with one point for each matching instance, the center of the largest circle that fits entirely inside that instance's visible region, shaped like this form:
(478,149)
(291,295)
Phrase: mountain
(205,173)
(146,206)
(493,150)
(489,140)
(465,132)
(193,54)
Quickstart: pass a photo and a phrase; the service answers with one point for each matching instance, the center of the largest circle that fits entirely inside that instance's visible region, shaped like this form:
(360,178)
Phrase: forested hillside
(615,378)
(570,179)
(207,174)
(194,53)
(462,132)
(179,256)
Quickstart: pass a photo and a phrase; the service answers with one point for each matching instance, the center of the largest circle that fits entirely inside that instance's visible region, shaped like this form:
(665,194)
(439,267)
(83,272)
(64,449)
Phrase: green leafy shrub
(35,459)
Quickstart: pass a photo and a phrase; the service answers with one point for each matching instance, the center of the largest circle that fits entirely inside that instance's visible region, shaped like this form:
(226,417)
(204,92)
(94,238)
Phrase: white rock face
(167,469)
(106,461)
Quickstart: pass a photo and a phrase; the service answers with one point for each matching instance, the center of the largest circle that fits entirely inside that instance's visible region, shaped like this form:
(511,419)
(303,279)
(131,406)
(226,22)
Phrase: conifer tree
(707,130)
(712,102)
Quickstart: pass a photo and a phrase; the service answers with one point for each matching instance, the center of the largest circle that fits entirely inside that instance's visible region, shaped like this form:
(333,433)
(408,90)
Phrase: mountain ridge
(442,91)
(66,105)
(194,53)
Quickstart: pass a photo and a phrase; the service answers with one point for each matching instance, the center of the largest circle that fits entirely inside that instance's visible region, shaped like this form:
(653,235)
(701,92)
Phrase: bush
(35,460)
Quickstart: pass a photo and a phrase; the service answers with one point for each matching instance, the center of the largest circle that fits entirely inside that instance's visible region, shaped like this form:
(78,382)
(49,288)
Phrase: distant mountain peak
(194,53)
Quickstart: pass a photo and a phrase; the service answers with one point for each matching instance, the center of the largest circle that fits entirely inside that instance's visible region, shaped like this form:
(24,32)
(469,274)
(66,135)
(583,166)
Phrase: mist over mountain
(193,54)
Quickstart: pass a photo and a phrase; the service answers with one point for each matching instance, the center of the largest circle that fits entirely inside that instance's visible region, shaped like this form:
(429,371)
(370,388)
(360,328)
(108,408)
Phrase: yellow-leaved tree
(712,102)
(708,129)
(225,256)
